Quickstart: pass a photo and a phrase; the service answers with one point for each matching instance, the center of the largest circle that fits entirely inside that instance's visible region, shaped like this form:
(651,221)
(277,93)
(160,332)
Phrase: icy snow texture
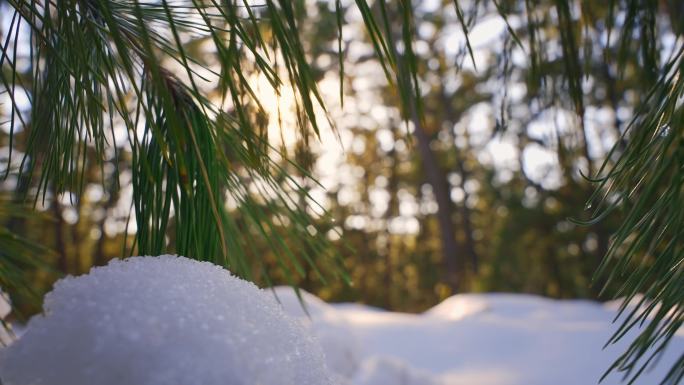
(162,321)
(335,335)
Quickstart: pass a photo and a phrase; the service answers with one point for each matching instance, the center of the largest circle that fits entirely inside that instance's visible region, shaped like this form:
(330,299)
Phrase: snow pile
(160,321)
(458,307)
(483,339)
(334,334)
(388,370)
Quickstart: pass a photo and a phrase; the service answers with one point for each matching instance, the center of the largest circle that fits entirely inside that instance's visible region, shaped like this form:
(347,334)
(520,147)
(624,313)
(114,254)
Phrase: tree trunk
(60,247)
(440,187)
(467,221)
(434,175)
(391,212)
(100,257)
(466,217)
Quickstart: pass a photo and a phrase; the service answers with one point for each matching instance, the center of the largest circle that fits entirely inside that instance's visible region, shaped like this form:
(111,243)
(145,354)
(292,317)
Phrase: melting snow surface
(162,321)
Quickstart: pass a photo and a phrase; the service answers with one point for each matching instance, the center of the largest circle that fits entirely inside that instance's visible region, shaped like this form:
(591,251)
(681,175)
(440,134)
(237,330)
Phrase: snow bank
(169,320)
(160,321)
(458,307)
(389,370)
(482,339)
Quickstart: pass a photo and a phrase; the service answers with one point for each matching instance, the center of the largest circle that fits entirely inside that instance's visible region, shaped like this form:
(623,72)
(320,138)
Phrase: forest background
(475,190)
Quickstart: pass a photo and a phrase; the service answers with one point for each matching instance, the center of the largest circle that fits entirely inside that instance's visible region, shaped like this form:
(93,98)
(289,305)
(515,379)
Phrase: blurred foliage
(140,118)
(514,231)
(596,89)
(471,133)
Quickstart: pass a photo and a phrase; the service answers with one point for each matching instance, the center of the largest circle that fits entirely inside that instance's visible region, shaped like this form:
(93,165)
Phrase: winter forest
(347,192)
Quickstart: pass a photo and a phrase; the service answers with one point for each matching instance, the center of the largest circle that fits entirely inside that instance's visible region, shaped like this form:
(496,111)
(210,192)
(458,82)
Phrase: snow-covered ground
(169,320)
(471,339)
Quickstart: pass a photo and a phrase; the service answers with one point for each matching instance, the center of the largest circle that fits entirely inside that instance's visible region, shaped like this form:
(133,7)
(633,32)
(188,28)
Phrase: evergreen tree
(193,135)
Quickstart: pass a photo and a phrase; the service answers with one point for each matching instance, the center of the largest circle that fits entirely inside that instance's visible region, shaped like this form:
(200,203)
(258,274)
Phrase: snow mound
(458,307)
(335,334)
(493,339)
(313,306)
(159,321)
(388,370)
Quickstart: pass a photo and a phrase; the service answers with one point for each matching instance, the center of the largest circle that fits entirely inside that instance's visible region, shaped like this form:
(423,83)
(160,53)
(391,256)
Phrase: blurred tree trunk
(76,238)
(18,223)
(451,116)
(392,211)
(100,258)
(305,159)
(60,247)
(434,174)
(436,177)
(466,218)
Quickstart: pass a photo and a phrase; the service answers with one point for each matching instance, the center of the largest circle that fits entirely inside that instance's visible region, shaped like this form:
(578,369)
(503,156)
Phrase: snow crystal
(338,340)
(162,320)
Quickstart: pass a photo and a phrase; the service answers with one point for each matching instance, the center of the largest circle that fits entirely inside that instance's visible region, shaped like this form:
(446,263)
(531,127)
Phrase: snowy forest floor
(472,339)
(469,339)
